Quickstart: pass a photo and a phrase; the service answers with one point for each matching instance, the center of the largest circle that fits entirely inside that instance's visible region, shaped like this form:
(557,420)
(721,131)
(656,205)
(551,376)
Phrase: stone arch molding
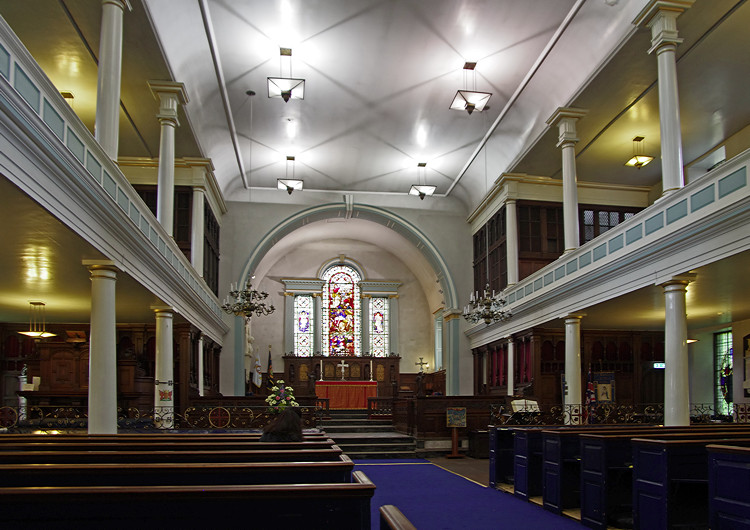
(428,251)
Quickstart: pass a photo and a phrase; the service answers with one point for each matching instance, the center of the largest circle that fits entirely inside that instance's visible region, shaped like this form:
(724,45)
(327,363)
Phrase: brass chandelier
(247,302)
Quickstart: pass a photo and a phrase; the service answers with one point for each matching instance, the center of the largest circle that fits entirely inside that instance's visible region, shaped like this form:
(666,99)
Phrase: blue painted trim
(701,199)
(732,182)
(548,278)
(53,120)
(600,252)
(4,62)
(677,211)
(584,260)
(538,284)
(26,87)
(654,223)
(633,234)
(616,243)
(571,267)
(559,272)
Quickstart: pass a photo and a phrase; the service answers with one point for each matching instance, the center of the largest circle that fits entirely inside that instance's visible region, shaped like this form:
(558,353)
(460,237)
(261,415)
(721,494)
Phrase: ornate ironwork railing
(610,413)
(74,419)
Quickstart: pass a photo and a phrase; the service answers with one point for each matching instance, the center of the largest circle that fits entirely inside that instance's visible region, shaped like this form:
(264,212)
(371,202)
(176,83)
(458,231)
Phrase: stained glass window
(379,326)
(723,372)
(303,325)
(341,312)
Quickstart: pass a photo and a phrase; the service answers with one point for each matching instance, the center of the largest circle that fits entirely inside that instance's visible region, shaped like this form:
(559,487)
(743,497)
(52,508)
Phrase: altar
(346,394)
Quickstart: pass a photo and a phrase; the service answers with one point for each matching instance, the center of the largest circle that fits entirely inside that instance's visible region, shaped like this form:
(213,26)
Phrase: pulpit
(346,394)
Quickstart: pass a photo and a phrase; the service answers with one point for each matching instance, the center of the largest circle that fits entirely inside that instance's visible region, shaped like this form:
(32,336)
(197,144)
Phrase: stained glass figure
(379,326)
(303,325)
(341,312)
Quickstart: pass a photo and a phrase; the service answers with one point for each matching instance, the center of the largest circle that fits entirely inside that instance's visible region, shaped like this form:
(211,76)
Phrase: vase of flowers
(281,396)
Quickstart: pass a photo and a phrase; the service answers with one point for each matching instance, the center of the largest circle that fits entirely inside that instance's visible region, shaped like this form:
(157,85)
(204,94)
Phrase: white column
(511,240)
(676,373)
(107,121)
(170,96)
(200,365)
(290,323)
(318,326)
(393,323)
(102,348)
(197,234)
(565,119)
(661,17)
(365,314)
(164,371)
(511,365)
(573,365)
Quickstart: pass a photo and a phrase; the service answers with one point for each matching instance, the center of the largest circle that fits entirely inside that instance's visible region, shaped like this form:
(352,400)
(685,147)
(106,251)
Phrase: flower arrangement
(281,396)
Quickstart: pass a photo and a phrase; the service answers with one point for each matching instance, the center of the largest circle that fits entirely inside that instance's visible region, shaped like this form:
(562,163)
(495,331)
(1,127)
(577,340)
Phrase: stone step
(329,429)
(337,422)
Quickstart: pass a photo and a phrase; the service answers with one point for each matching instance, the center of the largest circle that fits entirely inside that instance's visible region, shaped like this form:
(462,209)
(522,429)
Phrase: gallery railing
(56,418)
(609,413)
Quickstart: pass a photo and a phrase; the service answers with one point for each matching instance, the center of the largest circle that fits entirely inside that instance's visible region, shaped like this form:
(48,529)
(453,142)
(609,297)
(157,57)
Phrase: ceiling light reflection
(37,263)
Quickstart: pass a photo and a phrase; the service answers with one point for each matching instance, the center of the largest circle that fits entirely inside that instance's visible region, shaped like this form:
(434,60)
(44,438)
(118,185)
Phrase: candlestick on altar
(321,368)
(370,369)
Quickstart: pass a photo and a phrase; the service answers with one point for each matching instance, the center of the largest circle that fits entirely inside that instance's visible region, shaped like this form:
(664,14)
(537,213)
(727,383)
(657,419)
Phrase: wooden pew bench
(161,445)
(670,481)
(563,469)
(527,462)
(316,506)
(391,518)
(501,455)
(151,456)
(728,486)
(172,474)
(607,464)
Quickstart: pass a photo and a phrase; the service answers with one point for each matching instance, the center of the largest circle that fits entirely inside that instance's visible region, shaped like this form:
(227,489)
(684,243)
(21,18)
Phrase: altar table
(346,394)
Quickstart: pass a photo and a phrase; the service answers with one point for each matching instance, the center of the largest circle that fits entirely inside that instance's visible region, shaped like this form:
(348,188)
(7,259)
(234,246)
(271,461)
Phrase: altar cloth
(346,394)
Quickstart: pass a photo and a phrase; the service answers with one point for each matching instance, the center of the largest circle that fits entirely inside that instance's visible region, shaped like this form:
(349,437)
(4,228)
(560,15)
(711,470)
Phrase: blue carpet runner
(432,497)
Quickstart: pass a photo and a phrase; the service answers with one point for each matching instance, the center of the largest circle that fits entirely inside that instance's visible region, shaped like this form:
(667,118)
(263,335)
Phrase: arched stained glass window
(303,325)
(341,312)
(379,318)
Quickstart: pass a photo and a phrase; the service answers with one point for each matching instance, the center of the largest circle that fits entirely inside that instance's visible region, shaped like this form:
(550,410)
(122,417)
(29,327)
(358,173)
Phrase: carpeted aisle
(435,498)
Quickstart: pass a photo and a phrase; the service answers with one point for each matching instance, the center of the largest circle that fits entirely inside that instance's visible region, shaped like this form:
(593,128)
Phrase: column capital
(565,118)
(100,265)
(661,17)
(574,317)
(170,95)
(681,280)
(162,309)
(122,4)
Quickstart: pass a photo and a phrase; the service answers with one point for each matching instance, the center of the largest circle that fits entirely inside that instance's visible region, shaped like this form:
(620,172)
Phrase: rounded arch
(427,250)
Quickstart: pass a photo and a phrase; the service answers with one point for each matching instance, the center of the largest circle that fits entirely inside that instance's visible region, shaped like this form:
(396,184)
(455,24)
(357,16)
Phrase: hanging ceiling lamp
(421,188)
(286,88)
(470,100)
(37,322)
(290,183)
(639,159)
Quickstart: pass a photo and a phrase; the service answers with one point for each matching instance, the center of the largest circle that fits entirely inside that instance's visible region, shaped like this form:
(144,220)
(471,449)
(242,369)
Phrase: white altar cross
(342,365)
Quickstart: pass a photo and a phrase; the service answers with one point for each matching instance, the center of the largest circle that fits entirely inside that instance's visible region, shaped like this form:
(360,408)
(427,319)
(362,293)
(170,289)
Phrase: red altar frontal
(346,394)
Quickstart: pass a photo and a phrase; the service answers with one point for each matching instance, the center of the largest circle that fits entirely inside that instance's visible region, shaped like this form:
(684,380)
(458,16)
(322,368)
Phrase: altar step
(362,438)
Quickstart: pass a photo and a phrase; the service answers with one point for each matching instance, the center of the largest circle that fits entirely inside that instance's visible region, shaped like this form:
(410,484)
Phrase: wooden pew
(171,474)
(161,445)
(607,469)
(670,480)
(527,462)
(391,518)
(102,457)
(728,486)
(563,470)
(316,506)
(501,455)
